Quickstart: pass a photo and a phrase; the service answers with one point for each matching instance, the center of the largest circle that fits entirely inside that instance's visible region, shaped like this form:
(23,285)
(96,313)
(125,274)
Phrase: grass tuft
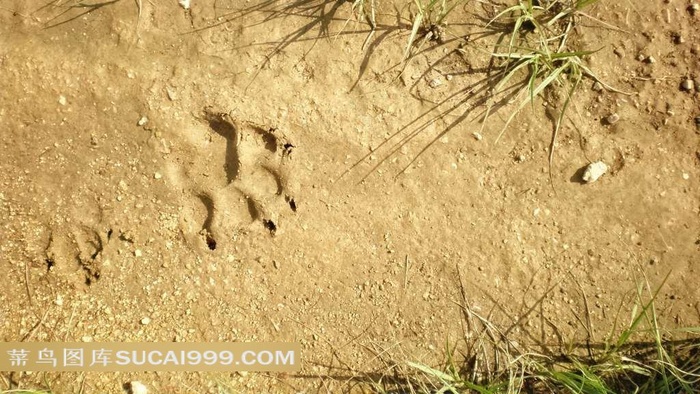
(364,11)
(537,45)
(429,22)
(627,362)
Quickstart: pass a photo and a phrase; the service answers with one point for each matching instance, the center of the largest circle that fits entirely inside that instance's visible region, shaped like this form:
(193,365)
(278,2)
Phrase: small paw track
(237,179)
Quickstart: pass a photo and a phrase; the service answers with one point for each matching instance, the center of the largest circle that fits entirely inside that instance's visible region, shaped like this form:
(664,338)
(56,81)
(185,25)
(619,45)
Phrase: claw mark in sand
(254,183)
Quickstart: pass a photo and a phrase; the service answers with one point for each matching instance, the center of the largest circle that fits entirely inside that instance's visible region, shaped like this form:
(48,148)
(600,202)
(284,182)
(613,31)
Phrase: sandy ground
(126,197)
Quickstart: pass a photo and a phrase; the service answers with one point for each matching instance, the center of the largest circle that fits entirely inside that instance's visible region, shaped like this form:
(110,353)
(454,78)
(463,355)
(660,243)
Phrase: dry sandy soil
(302,225)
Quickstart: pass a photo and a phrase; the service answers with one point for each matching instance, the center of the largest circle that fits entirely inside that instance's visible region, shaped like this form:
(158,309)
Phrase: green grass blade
(550,78)
(624,337)
(581,4)
(499,15)
(522,63)
(531,84)
(447,11)
(431,371)
(414,32)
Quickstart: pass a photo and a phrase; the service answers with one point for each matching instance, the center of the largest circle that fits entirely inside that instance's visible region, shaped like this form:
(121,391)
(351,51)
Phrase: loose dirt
(238,172)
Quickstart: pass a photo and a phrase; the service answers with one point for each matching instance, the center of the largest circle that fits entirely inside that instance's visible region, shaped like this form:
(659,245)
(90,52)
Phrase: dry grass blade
(536,60)
(414,32)
(612,370)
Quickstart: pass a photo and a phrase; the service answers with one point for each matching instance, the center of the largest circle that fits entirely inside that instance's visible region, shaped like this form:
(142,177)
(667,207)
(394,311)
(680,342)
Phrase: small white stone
(59,300)
(594,171)
(146,321)
(686,176)
(142,121)
(138,253)
(157,175)
(62,100)
(184,4)
(435,83)
(136,387)
(477,136)
(172,95)
(669,110)
(688,85)
(613,118)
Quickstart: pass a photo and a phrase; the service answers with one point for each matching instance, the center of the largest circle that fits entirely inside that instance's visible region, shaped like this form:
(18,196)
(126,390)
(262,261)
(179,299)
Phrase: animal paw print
(75,252)
(251,184)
